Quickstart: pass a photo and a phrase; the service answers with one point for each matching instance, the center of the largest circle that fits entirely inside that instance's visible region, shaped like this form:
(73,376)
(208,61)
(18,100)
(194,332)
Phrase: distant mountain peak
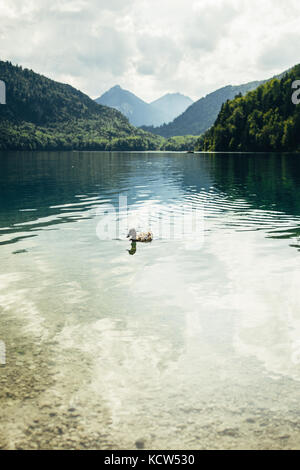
(172,105)
(174,96)
(160,111)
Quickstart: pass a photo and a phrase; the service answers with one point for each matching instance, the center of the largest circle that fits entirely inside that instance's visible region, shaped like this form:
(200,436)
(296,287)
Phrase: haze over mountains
(172,105)
(139,113)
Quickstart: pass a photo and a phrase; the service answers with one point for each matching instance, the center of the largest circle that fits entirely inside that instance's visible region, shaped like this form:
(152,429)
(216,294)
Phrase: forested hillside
(201,115)
(43,114)
(264,120)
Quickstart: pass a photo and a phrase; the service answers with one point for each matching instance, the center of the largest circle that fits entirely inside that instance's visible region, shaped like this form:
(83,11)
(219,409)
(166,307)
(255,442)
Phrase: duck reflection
(132,250)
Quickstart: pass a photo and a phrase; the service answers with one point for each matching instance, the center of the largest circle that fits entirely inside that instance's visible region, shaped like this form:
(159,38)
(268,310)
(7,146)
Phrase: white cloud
(208,25)
(159,55)
(281,52)
(151,46)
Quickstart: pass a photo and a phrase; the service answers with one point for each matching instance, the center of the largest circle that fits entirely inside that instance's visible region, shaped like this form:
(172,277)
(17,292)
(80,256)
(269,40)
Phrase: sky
(151,47)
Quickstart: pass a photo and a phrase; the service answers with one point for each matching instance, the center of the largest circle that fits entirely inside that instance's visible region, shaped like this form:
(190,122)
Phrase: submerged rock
(140,444)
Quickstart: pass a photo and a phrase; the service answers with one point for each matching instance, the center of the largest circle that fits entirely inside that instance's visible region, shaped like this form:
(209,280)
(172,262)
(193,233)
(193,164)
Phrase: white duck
(139,237)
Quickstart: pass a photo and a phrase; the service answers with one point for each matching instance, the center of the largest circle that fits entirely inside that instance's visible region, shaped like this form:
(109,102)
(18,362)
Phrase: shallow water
(191,342)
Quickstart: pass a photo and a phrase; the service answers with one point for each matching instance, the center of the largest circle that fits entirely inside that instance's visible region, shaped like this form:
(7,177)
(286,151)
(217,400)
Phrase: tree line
(266,119)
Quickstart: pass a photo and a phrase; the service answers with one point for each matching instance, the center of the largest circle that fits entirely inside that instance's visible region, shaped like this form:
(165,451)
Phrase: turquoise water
(189,342)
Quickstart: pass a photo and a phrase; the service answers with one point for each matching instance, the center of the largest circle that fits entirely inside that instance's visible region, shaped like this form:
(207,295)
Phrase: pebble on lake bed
(140,444)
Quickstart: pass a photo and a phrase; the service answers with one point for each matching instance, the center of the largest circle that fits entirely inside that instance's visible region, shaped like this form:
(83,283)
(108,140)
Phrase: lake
(189,342)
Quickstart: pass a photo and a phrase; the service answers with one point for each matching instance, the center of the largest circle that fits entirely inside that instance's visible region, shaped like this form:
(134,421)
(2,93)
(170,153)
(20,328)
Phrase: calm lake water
(189,342)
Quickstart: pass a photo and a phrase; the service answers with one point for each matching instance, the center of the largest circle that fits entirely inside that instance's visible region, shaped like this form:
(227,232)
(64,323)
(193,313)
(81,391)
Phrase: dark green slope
(201,115)
(264,120)
(43,114)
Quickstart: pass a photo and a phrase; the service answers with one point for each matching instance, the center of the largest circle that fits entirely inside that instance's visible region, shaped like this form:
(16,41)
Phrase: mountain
(172,105)
(201,115)
(136,110)
(266,119)
(43,114)
(141,113)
